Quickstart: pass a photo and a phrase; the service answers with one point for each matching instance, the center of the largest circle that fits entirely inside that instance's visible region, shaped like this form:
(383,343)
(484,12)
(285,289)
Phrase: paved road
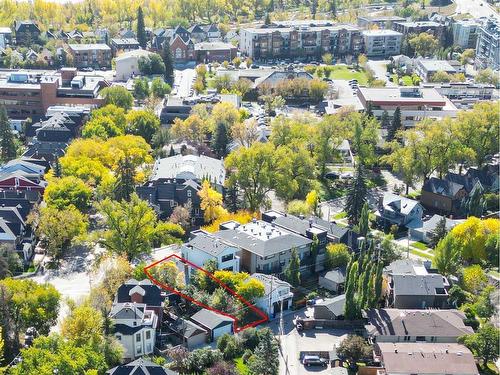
(183,80)
(476,8)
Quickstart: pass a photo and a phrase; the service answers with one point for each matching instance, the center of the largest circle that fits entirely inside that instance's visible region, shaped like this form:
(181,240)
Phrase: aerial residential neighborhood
(260,188)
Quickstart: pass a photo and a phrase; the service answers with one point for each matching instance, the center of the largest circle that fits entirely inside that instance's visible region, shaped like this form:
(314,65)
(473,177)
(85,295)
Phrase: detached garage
(216,324)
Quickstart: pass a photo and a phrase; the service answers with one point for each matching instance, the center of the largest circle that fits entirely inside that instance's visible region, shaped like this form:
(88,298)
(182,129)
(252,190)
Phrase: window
(137,337)
(189,193)
(228,257)
(420,338)
(178,53)
(148,335)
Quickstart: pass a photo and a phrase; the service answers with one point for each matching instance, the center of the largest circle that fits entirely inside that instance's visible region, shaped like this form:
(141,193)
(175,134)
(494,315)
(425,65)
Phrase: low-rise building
(277,295)
(382,43)
(124,44)
(463,94)
(426,68)
(400,211)
(432,326)
(379,22)
(330,308)
(127,63)
(415,103)
(188,333)
(488,45)
(207,52)
(27,32)
(416,27)
(214,323)
(90,55)
(424,233)
(333,280)
(5,37)
(140,366)
(465,33)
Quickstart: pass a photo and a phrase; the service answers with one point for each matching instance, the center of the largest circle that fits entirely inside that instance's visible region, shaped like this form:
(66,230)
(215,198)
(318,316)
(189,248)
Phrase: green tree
(142,123)
(351,304)
(7,144)
(124,186)
(59,227)
(356,196)
(447,256)
(424,44)
(474,279)
(66,191)
(484,344)
(141,88)
(354,348)
(141,29)
(101,127)
(292,270)
(396,125)
(119,96)
(438,233)
(337,255)
(487,76)
(385,121)
(168,61)
(159,88)
(56,169)
(265,359)
(221,140)
(364,221)
(474,204)
(10,262)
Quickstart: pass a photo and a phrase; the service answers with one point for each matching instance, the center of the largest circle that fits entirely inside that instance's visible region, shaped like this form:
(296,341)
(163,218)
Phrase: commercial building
(488,45)
(415,103)
(30,93)
(382,43)
(462,94)
(381,22)
(430,27)
(214,51)
(465,33)
(294,39)
(90,55)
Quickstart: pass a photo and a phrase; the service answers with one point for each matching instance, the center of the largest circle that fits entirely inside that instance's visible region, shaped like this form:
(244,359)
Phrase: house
(411,285)
(443,195)
(204,246)
(140,366)
(404,358)
(27,32)
(16,234)
(197,33)
(134,327)
(264,247)
(424,232)
(382,43)
(277,294)
(215,324)
(127,64)
(426,68)
(330,308)
(90,55)
(124,44)
(175,107)
(333,280)
(207,52)
(127,34)
(5,37)
(189,334)
(400,211)
(212,31)
(176,180)
(144,291)
(433,326)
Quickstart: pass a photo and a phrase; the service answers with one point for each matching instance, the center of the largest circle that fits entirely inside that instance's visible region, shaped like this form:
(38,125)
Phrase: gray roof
(398,203)
(187,328)
(418,285)
(127,310)
(269,280)
(210,319)
(396,322)
(335,305)
(213,46)
(442,187)
(89,47)
(190,167)
(402,267)
(337,275)
(431,224)
(140,366)
(437,65)
(207,243)
(300,226)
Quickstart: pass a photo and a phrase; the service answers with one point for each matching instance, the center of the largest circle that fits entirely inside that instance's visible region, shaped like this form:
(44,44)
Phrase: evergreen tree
(369,110)
(265,360)
(364,221)
(6,137)
(385,121)
(172,151)
(475,204)
(221,140)
(57,168)
(292,271)
(124,186)
(363,286)
(267,21)
(350,308)
(168,61)
(333,8)
(438,233)
(141,28)
(314,251)
(378,285)
(396,125)
(356,196)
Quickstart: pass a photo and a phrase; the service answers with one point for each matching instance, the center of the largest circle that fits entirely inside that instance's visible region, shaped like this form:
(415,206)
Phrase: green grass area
(343,72)
(419,245)
(421,254)
(407,81)
(241,367)
(340,215)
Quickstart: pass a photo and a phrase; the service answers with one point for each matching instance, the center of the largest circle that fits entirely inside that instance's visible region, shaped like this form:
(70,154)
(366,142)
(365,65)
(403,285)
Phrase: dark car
(314,360)
(332,176)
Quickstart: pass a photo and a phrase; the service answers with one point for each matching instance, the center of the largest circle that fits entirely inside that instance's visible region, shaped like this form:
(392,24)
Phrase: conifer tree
(292,271)
(378,284)
(168,61)
(124,186)
(221,140)
(141,28)
(396,125)
(356,196)
(350,309)
(57,168)
(438,233)
(7,144)
(385,121)
(363,225)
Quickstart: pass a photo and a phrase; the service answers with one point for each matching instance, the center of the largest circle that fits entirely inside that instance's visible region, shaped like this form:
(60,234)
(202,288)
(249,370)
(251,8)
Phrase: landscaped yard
(419,245)
(340,215)
(343,72)
(421,254)
(407,81)
(241,367)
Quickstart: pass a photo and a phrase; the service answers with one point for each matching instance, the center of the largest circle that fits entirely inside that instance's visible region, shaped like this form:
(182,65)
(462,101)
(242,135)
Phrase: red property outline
(236,328)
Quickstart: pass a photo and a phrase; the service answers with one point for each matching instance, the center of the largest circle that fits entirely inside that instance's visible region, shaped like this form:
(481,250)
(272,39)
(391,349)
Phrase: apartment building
(27,93)
(429,27)
(293,39)
(465,33)
(91,55)
(488,45)
(380,22)
(382,43)
(415,103)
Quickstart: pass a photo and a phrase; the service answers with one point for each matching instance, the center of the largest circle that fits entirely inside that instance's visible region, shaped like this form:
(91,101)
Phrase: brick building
(90,55)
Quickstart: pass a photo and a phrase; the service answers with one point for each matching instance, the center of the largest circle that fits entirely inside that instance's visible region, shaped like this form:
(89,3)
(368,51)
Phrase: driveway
(183,80)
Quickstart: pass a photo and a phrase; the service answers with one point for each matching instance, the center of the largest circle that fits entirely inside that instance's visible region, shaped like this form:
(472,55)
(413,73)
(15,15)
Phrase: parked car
(314,360)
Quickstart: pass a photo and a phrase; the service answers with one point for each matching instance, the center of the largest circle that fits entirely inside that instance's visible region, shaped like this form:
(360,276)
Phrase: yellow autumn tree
(471,236)
(211,203)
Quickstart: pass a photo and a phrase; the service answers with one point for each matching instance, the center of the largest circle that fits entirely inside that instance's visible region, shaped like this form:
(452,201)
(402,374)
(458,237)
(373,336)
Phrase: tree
(101,127)
(251,289)
(337,255)
(56,168)
(356,196)
(159,88)
(354,348)
(317,90)
(441,76)
(141,29)
(396,125)
(265,359)
(267,20)
(487,76)
(124,186)
(272,103)
(142,123)
(168,61)
(298,207)
(484,344)
(438,233)
(119,96)
(389,251)
(132,227)
(384,120)
(245,132)
(84,326)
(474,204)
(181,215)
(351,306)
(221,140)
(292,270)
(327,58)
(424,44)
(362,60)
(7,145)
(169,274)
(447,256)
(474,279)
(10,262)
(364,221)
(210,202)
(66,191)
(222,368)
(312,199)
(141,88)
(58,227)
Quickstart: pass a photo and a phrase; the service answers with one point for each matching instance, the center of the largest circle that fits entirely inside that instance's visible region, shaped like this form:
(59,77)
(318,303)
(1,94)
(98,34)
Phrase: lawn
(421,254)
(343,72)
(241,367)
(406,80)
(340,215)
(419,245)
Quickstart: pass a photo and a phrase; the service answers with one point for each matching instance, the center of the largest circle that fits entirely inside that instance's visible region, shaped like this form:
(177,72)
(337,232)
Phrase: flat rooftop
(89,47)
(398,95)
(381,33)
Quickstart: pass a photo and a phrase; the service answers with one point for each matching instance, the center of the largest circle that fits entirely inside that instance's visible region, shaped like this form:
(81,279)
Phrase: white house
(277,294)
(204,247)
(134,327)
(127,63)
(401,211)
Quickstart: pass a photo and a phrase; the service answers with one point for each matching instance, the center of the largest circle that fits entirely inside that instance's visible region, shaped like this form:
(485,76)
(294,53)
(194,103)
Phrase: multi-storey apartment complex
(382,42)
(30,93)
(429,27)
(301,39)
(381,22)
(465,33)
(90,55)
(488,45)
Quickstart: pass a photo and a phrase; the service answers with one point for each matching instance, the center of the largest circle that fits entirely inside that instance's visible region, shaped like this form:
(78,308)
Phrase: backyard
(346,73)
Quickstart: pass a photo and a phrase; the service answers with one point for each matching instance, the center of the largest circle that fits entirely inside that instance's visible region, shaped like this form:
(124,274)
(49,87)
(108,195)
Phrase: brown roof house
(182,50)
